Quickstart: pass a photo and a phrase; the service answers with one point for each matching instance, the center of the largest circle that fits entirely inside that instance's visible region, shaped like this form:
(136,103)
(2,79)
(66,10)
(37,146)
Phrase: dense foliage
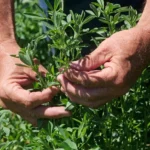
(123,124)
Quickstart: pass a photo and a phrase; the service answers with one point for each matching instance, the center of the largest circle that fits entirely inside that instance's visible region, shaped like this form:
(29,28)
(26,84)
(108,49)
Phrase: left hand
(14,82)
(124,56)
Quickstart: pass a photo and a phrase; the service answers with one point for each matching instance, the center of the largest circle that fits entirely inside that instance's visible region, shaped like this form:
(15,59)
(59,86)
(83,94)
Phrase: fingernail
(55,89)
(66,94)
(59,77)
(74,64)
(63,90)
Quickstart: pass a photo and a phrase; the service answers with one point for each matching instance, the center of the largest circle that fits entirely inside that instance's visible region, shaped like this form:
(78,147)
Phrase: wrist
(142,26)
(6,31)
(9,46)
(144,42)
(144,19)
(6,36)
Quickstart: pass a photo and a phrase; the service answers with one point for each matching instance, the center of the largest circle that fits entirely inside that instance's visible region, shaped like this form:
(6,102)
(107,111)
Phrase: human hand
(13,82)
(124,56)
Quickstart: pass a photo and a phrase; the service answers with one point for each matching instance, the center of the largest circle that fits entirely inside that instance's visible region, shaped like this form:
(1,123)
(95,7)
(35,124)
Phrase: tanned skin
(14,79)
(124,56)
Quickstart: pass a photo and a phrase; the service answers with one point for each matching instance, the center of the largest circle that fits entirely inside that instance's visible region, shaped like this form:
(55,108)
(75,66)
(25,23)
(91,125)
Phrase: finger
(45,112)
(30,73)
(85,102)
(24,81)
(89,94)
(36,61)
(31,99)
(40,97)
(50,112)
(24,113)
(93,60)
(33,74)
(42,70)
(94,78)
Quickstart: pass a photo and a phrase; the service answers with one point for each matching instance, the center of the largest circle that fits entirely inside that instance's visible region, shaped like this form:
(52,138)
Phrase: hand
(14,80)
(124,56)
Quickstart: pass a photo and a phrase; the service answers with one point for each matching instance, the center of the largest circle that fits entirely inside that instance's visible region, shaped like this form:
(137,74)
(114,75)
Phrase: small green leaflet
(69,106)
(26,58)
(53,84)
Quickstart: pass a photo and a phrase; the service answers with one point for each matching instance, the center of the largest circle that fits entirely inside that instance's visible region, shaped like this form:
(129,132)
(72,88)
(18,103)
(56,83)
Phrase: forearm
(6,20)
(144,21)
(143,28)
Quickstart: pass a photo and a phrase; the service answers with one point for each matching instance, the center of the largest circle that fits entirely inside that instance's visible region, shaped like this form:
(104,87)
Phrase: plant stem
(62,5)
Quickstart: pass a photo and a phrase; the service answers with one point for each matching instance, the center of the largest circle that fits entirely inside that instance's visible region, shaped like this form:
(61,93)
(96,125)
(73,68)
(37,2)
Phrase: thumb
(92,61)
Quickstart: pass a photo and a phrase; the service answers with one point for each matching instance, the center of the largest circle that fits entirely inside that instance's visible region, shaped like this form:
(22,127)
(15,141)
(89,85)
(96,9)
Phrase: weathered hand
(14,80)
(124,55)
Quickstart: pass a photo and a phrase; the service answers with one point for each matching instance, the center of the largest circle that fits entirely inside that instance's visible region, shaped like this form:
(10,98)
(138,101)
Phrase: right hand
(14,80)
(124,56)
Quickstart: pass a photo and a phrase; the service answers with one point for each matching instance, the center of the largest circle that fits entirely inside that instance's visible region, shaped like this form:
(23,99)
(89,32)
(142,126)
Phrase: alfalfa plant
(64,38)
(117,125)
(64,34)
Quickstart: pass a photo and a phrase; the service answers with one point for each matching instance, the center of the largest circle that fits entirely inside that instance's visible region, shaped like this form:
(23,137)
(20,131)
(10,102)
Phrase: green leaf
(49,4)
(88,19)
(71,144)
(52,70)
(6,130)
(121,9)
(69,18)
(63,132)
(69,106)
(25,58)
(64,22)
(94,9)
(101,2)
(103,20)
(49,26)
(60,61)
(41,12)
(35,16)
(86,30)
(64,101)
(90,12)
(116,18)
(53,84)
(72,14)
(68,53)
(57,4)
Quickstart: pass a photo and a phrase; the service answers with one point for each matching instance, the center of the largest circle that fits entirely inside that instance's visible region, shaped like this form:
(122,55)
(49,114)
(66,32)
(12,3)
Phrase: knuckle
(119,78)
(86,62)
(69,73)
(84,95)
(47,96)
(28,104)
(86,82)
(4,90)
(120,82)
